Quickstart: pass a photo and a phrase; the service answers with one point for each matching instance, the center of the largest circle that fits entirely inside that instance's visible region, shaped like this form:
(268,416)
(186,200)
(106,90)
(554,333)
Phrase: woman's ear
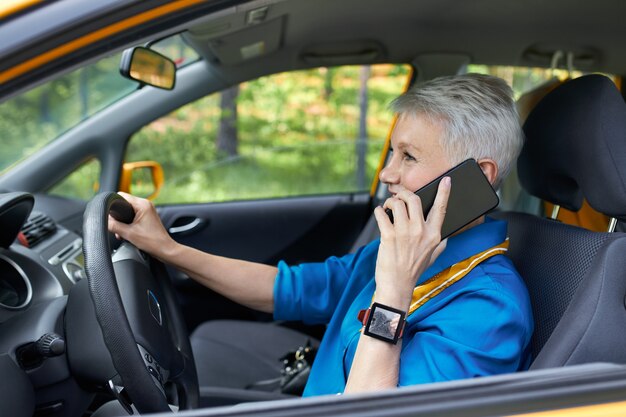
(489,168)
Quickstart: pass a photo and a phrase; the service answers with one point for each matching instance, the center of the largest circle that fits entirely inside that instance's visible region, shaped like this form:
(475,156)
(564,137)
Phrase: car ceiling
(342,32)
(306,33)
(508,32)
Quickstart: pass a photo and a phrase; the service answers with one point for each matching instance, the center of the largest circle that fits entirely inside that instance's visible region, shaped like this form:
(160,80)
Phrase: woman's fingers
(413,205)
(143,222)
(129,197)
(115,226)
(140,205)
(408,211)
(384,224)
(438,211)
(400,215)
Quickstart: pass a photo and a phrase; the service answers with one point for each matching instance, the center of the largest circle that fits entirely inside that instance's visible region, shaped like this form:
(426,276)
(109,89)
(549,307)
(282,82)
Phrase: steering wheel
(136,309)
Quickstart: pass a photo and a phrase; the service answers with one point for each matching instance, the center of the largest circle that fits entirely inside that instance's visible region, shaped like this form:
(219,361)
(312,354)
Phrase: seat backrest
(576,304)
(575,148)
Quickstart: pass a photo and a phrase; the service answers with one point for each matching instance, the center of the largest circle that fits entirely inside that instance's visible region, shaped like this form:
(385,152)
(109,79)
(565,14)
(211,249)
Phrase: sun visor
(252,42)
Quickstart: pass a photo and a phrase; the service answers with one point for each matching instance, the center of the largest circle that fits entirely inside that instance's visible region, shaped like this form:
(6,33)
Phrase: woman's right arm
(248,283)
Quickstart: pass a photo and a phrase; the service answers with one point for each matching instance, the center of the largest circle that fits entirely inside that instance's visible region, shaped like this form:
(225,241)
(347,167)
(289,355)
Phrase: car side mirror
(143,179)
(148,67)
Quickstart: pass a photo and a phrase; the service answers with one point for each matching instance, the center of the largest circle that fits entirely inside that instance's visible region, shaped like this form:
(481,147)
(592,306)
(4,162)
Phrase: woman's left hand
(409,245)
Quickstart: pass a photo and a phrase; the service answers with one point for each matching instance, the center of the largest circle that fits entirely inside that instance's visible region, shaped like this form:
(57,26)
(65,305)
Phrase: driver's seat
(575,148)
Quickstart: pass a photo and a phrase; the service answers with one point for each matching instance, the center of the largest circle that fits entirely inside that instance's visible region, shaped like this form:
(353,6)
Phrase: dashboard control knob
(50,344)
(32,354)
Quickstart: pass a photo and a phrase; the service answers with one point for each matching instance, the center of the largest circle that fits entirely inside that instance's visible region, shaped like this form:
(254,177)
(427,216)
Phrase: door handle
(193,225)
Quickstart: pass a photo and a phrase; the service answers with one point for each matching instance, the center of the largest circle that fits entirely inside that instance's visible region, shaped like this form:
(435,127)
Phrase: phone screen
(471,196)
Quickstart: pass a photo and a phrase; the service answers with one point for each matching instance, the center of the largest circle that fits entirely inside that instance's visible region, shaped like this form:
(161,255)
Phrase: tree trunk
(328,83)
(83,92)
(361,143)
(227,132)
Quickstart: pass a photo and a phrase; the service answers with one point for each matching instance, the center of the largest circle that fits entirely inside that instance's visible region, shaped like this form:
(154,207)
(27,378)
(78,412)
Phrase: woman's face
(417,156)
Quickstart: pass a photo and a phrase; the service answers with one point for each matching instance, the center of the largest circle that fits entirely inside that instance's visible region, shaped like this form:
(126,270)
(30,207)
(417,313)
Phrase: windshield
(34,118)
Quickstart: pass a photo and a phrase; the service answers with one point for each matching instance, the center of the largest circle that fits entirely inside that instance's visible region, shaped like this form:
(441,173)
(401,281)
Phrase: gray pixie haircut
(477,113)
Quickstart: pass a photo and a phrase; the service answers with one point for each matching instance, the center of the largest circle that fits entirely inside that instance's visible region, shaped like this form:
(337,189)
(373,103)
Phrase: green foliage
(522,79)
(297,136)
(185,138)
(81,184)
(272,172)
(35,118)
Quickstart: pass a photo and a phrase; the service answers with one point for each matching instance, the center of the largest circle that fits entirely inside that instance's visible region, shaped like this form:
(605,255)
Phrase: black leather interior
(578,307)
(575,149)
(576,146)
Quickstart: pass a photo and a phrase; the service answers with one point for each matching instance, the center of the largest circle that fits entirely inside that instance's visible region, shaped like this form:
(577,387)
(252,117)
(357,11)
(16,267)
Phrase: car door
(277,168)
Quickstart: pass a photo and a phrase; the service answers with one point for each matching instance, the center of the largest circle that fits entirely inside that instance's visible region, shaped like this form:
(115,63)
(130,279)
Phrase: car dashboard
(43,262)
(40,261)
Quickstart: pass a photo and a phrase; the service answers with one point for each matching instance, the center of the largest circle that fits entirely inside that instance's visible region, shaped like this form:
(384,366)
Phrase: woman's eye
(408,157)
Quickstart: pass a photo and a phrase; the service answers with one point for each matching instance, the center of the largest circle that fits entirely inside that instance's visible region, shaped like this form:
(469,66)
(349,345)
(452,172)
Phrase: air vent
(37,227)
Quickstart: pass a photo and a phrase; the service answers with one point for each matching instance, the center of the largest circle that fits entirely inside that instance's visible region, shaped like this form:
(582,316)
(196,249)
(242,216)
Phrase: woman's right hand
(146,231)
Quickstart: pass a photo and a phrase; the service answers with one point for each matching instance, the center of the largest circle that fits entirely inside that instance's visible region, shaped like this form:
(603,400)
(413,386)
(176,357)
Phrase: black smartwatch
(383,322)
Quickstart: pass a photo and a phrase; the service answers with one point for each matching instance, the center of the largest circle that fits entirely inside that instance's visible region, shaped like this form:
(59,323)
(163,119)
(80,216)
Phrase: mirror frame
(127,61)
(127,174)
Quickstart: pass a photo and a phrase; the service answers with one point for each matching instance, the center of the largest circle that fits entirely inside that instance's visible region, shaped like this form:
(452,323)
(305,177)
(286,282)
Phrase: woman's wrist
(394,297)
(168,250)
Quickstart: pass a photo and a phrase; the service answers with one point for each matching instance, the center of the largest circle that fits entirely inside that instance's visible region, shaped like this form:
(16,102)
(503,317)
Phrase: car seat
(575,149)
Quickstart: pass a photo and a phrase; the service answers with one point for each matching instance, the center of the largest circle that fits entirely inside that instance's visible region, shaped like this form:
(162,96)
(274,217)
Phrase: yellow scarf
(439,282)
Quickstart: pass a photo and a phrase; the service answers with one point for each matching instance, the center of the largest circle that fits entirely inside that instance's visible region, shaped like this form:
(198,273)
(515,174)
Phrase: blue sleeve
(311,291)
(478,333)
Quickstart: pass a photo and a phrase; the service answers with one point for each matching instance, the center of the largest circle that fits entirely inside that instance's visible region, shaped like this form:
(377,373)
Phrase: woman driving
(407,308)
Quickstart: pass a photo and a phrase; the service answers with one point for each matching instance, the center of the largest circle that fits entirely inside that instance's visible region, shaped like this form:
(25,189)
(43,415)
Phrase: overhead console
(241,33)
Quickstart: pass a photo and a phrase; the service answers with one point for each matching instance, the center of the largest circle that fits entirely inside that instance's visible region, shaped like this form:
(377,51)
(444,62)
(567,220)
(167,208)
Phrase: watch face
(384,323)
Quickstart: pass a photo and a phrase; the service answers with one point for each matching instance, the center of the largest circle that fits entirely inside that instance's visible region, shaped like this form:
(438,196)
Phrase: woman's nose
(389,175)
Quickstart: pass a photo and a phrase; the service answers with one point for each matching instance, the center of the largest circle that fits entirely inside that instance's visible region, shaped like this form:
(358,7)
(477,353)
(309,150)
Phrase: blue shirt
(481,325)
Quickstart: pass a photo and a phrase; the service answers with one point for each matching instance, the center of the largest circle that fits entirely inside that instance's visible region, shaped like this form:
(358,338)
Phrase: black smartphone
(471,196)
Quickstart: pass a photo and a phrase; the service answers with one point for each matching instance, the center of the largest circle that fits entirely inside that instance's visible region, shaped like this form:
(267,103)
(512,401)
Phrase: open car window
(318,131)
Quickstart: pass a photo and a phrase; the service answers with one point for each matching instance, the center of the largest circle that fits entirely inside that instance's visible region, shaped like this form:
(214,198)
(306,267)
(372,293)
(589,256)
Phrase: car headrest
(576,147)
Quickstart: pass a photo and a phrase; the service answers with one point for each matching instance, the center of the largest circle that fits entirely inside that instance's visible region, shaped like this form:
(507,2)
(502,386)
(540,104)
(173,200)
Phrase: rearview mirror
(142,178)
(148,67)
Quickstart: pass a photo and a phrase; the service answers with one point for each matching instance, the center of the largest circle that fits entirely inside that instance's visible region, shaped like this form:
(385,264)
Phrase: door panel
(293,229)
(304,229)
